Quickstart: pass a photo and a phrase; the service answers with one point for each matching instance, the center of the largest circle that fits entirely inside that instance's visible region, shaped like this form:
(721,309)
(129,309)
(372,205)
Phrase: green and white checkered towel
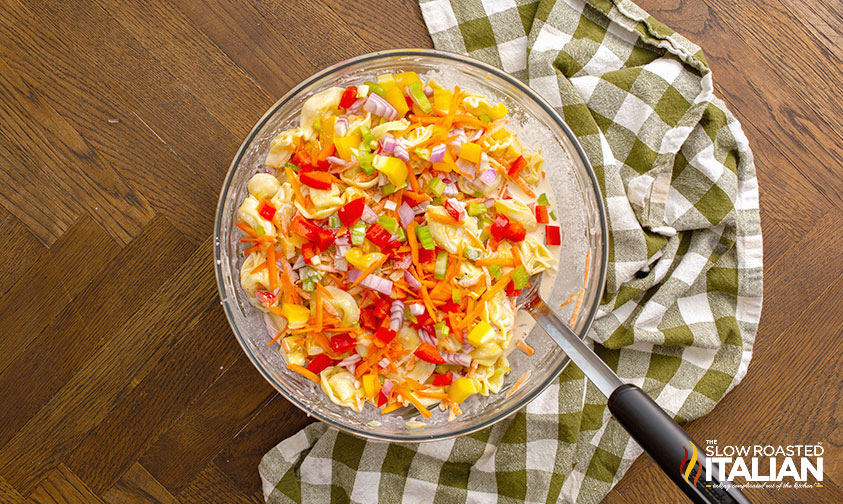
(683,297)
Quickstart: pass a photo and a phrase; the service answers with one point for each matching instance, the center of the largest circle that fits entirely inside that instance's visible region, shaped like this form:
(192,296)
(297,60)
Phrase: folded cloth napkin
(683,296)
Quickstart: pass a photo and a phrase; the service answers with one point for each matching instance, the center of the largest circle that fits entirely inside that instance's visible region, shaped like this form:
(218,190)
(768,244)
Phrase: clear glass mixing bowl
(579,208)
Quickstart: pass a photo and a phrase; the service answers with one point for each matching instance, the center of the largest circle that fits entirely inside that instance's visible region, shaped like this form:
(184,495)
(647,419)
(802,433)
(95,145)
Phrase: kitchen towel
(683,294)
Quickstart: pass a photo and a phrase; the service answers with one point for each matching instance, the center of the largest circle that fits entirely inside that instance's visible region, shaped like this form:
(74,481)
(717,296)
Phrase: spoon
(657,433)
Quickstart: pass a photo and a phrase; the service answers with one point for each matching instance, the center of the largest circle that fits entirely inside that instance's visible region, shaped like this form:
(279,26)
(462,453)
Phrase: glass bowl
(579,209)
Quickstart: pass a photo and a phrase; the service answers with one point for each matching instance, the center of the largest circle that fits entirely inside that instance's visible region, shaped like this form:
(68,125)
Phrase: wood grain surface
(120,380)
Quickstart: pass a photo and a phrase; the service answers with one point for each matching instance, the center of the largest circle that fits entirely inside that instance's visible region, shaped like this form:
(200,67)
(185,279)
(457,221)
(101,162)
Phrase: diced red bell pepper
(414,198)
(302,160)
(423,320)
(322,161)
(316,179)
(266,298)
(381,399)
(440,380)
(493,243)
(541,214)
(426,256)
(498,228)
(515,232)
(379,236)
(342,343)
(322,238)
(552,236)
(409,102)
(511,291)
(385,335)
(450,306)
(308,250)
(266,210)
(429,353)
(516,166)
(381,308)
(349,96)
(368,319)
(351,211)
(319,363)
(453,210)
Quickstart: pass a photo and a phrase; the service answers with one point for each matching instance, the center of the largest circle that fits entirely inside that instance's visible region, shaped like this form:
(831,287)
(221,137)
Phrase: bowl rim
(434,53)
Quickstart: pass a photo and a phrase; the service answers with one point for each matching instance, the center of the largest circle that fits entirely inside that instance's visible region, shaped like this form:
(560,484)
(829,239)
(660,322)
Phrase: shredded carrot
(520,382)
(276,338)
(500,261)
(452,109)
(249,230)
(516,255)
(418,196)
(272,268)
(444,219)
(341,231)
(432,395)
(414,182)
(258,268)
(428,303)
(452,317)
(390,408)
(587,264)
(294,183)
(568,301)
(415,384)
(262,239)
(524,186)
(470,121)
(317,326)
(254,248)
(524,347)
(324,291)
(310,375)
(368,271)
(498,287)
(288,289)
(576,308)
(414,245)
(413,400)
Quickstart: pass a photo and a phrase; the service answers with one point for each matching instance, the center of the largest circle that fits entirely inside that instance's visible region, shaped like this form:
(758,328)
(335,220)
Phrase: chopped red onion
(450,190)
(421,208)
(467,347)
(426,337)
(428,91)
(437,155)
(341,264)
(373,282)
(388,144)
(341,126)
(457,142)
(474,135)
(402,264)
(299,264)
(386,389)
(484,162)
(352,368)
(379,106)
(390,205)
(353,359)
(342,240)
(405,214)
(396,315)
(401,152)
(337,161)
(271,330)
(411,281)
(369,216)
(488,177)
(457,359)
(357,105)
(467,168)
(416,309)
(383,362)
(489,202)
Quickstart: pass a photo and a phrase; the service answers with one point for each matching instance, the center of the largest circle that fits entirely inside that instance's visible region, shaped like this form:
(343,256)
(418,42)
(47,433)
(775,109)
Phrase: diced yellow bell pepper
(371,385)
(346,143)
(501,134)
(396,98)
(481,332)
(387,81)
(404,79)
(442,99)
(296,315)
(470,151)
(360,260)
(461,389)
(434,84)
(395,170)
(498,111)
(445,165)
(327,133)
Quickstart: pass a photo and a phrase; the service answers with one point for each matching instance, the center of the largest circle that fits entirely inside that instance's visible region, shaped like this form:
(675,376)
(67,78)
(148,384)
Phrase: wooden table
(120,380)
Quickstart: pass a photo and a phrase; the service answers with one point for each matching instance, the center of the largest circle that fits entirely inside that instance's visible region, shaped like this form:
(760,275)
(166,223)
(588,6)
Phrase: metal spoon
(657,433)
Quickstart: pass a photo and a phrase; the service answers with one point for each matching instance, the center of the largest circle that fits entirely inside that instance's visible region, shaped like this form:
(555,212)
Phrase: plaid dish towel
(683,296)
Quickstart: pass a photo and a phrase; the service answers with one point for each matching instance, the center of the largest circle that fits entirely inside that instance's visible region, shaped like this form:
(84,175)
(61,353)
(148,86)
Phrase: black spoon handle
(681,459)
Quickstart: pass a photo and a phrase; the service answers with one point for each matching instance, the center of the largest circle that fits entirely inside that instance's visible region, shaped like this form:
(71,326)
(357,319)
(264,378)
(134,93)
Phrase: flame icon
(685,467)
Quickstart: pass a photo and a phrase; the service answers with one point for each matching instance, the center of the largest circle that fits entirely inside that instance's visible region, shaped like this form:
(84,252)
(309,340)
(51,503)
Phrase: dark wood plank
(61,486)
(365,20)
(212,485)
(81,174)
(137,486)
(86,324)
(120,365)
(21,249)
(216,417)
(241,456)
(201,355)
(8,494)
(47,287)
(823,20)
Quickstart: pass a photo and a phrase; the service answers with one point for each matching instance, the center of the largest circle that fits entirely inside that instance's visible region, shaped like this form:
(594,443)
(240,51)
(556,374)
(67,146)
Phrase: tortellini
(357,179)
(519,212)
(263,186)
(383,129)
(248,213)
(535,256)
(282,147)
(317,106)
(477,105)
(296,353)
(501,316)
(342,388)
(532,172)
(344,303)
(408,337)
(422,371)
(489,379)
(324,202)
(253,281)
(449,236)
